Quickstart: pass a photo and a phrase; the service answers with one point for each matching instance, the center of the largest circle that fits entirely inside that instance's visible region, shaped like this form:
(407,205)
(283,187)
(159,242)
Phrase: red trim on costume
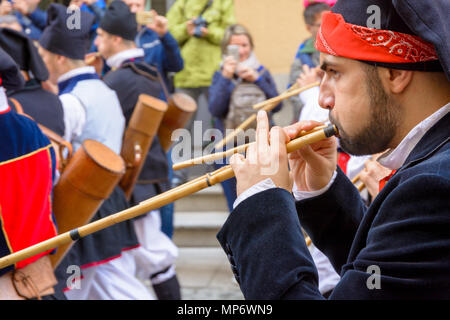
(338,38)
(6,110)
(66,289)
(385,180)
(343,159)
(98,263)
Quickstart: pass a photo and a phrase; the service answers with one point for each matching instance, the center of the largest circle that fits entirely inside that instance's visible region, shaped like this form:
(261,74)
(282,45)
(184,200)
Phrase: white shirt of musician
(116,60)
(393,160)
(74,113)
(3,100)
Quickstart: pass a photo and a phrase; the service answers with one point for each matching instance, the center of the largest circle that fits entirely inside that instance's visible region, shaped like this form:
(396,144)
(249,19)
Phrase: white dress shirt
(116,60)
(74,113)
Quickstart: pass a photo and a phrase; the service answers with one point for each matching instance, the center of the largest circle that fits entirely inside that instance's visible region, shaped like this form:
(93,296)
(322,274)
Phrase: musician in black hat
(28,171)
(98,116)
(131,76)
(43,106)
(386,84)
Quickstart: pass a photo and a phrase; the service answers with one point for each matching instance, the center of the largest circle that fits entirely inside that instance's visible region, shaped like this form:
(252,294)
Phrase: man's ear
(60,59)
(116,40)
(395,80)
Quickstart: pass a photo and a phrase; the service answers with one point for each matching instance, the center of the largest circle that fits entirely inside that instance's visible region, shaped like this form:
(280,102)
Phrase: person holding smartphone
(241,82)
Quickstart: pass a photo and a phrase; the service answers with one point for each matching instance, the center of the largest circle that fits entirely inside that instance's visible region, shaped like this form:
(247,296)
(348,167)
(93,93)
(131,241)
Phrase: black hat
(429,20)
(119,20)
(24,52)
(425,19)
(67,32)
(11,78)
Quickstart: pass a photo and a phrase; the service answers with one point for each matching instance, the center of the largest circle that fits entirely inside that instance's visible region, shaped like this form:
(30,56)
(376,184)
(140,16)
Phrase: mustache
(333,121)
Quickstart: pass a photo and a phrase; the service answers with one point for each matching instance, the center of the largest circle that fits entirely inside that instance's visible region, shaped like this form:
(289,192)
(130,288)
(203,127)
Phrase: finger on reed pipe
(163,199)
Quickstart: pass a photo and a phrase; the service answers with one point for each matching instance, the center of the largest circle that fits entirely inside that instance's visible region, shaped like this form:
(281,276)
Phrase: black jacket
(43,106)
(404,234)
(128,85)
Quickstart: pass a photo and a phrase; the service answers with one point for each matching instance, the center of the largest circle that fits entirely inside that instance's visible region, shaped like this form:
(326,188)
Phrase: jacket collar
(396,158)
(433,140)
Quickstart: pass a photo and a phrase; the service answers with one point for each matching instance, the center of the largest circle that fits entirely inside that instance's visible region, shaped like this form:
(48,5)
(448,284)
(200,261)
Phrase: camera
(199,23)
(233,50)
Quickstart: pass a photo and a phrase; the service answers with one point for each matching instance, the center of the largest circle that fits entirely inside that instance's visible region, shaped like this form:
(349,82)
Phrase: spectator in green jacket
(199,26)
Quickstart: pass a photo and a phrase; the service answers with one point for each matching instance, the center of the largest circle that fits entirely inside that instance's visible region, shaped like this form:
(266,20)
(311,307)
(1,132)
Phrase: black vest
(129,81)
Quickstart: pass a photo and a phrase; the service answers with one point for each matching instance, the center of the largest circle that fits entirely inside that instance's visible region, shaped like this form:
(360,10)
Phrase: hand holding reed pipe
(267,105)
(227,153)
(163,199)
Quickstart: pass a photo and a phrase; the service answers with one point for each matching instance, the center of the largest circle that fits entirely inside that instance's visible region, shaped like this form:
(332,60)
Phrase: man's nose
(326,96)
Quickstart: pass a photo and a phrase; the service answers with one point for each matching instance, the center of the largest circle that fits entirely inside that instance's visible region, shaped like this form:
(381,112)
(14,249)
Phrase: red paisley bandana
(338,38)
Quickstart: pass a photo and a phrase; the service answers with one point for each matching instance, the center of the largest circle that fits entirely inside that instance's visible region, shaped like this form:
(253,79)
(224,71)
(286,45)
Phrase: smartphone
(145,17)
(233,50)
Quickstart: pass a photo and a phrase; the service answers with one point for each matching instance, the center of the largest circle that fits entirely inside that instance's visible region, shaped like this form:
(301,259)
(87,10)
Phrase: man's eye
(333,72)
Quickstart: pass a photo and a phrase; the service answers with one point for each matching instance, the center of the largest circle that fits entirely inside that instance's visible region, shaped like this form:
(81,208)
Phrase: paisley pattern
(339,38)
(410,48)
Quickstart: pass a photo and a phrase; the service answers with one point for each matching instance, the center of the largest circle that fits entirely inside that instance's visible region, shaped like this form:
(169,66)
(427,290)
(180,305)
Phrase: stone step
(198,229)
(209,199)
(205,274)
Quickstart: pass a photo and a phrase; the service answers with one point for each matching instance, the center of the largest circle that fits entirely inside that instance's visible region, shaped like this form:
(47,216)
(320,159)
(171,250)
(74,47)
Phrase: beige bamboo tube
(308,241)
(287,94)
(138,138)
(267,105)
(163,199)
(360,186)
(91,59)
(225,154)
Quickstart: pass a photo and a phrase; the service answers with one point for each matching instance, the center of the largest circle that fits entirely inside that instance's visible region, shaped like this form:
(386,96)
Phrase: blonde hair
(235,29)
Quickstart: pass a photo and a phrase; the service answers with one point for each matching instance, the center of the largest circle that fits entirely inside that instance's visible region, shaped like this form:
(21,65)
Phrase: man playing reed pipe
(131,76)
(27,170)
(95,114)
(386,88)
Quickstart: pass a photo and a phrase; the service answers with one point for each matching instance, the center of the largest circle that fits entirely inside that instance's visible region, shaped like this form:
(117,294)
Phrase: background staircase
(202,267)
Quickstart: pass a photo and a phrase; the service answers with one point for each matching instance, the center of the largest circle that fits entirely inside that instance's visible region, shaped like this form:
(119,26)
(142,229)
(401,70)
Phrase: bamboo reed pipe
(163,199)
(225,154)
(287,94)
(360,186)
(308,241)
(267,105)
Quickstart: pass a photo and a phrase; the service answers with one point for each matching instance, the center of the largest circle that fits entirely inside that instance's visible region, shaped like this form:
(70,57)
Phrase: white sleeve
(257,188)
(268,184)
(311,109)
(74,116)
(302,195)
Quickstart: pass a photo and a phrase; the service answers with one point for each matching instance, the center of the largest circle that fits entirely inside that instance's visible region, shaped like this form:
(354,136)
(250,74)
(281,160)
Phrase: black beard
(382,125)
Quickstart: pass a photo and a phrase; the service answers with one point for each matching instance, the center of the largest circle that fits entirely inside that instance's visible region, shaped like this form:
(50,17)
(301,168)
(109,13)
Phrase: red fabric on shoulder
(385,180)
(25,202)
